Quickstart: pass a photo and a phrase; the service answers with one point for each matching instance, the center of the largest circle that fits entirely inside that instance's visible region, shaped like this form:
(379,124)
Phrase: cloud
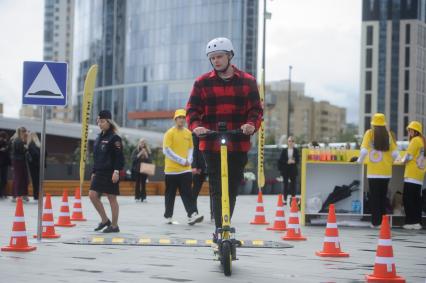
(321,40)
(21,25)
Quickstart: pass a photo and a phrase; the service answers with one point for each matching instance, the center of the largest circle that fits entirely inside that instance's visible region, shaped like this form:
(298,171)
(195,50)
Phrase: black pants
(140,186)
(3,180)
(35,178)
(378,189)
(289,189)
(183,183)
(412,200)
(236,163)
(197,183)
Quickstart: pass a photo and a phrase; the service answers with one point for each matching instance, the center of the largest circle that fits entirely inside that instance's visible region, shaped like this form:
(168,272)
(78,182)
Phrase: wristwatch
(116,171)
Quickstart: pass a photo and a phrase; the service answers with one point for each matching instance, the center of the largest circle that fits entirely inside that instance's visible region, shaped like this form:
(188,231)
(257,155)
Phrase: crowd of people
(22,153)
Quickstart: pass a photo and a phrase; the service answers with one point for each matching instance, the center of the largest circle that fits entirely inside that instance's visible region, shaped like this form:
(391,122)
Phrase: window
(366,123)
(405,124)
(369,58)
(406,100)
(367,103)
(407,33)
(407,56)
(368,79)
(369,35)
(407,80)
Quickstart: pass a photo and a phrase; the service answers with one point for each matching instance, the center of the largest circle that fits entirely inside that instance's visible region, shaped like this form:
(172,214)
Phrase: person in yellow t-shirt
(178,148)
(414,173)
(379,149)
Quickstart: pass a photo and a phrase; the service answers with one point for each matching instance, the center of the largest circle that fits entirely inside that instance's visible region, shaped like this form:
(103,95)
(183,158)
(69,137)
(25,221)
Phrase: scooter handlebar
(217,133)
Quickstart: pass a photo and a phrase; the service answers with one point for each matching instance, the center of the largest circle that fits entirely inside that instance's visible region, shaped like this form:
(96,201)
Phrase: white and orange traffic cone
(384,264)
(64,214)
(47,221)
(259,216)
(294,233)
(331,245)
(18,240)
(279,221)
(77,210)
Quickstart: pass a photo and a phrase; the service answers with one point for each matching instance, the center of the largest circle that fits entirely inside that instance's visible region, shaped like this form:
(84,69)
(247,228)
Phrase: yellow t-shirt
(414,169)
(379,163)
(180,143)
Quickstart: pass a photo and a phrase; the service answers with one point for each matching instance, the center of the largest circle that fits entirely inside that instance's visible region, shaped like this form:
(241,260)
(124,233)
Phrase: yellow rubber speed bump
(191,242)
(144,241)
(97,240)
(208,242)
(258,243)
(164,241)
(117,240)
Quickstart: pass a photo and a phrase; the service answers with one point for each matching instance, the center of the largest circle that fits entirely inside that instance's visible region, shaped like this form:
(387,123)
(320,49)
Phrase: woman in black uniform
(108,161)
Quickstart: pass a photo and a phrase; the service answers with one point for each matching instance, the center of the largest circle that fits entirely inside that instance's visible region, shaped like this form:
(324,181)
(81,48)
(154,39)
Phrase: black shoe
(111,229)
(103,225)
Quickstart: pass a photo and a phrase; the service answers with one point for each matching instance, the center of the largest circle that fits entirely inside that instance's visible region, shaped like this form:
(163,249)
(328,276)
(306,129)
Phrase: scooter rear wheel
(227,258)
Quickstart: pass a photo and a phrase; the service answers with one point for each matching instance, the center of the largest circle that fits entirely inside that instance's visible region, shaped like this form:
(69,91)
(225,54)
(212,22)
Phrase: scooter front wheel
(227,258)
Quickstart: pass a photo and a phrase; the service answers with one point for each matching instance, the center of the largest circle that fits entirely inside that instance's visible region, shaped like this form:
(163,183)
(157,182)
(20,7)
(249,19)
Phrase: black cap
(105,114)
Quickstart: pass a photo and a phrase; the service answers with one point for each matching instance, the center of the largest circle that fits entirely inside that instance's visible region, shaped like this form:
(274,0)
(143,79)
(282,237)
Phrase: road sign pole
(41,180)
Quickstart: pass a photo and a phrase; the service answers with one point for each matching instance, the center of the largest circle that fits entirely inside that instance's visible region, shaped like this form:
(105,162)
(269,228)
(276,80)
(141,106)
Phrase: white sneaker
(417,226)
(171,221)
(374,226)
(195,218)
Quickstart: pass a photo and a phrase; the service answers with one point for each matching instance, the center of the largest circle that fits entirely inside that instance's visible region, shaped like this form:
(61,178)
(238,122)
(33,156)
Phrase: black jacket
(4,153)
(18,149)
(198,160)
(108,153)
(288,170)
(136,161)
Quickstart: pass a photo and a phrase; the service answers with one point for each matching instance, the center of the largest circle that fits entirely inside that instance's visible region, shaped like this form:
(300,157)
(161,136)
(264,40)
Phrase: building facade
(150,52)
(393,63)
(57,46)
(309,120)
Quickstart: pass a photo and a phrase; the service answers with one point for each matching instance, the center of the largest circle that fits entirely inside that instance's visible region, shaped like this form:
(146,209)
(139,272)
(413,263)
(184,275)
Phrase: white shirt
(290,153)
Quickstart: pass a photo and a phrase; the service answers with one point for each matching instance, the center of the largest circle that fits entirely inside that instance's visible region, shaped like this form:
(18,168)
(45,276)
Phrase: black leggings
(412,203)
(378,188)
(140,186)
(236,163)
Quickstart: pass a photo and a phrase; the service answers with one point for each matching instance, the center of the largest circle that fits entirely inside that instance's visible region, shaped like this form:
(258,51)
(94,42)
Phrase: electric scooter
(226,244)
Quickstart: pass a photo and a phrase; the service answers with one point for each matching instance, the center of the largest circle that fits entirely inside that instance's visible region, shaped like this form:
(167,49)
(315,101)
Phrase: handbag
(147,168)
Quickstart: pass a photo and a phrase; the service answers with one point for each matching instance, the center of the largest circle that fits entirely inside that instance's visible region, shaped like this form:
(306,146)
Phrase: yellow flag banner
(261,138)
(89,86)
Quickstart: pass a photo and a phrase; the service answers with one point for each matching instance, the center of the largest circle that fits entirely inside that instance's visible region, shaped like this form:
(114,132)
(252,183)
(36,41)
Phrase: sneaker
(26,199)
(111,229)
(103,225)
(195,218)
(374,226)
(417,226)
(171,221)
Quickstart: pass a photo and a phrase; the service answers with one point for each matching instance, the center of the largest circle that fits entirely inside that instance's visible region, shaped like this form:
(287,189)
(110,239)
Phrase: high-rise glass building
(151,51)
(393,63)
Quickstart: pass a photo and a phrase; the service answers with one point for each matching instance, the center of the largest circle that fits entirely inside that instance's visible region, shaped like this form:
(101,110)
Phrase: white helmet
(219,44)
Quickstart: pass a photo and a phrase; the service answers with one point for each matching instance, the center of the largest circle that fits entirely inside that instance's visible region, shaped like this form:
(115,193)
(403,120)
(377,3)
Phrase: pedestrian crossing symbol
(45,83)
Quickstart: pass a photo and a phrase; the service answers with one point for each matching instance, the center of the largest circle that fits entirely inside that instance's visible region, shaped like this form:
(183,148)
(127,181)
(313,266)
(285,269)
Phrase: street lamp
(288,100)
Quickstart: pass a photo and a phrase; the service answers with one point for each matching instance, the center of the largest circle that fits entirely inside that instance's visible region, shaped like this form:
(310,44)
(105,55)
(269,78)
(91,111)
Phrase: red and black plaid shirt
(235,101)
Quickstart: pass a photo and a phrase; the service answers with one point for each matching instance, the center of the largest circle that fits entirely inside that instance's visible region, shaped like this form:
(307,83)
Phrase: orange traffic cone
(384,265)
(77,210)
(293,228)
(47,221)
(64,213)
(259,216)
(331,245)
(18,240)
(279,221)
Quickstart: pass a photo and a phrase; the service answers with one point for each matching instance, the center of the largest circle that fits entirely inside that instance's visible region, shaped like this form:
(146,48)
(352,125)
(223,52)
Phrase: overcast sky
(319,38)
